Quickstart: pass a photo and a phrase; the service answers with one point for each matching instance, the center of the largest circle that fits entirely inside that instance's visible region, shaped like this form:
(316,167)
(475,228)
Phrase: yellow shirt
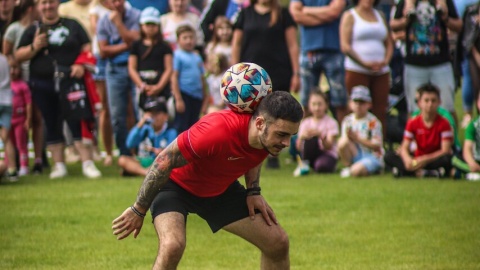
(77,12)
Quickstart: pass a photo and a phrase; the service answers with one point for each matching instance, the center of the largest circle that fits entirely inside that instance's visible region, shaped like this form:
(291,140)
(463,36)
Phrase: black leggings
(45,97)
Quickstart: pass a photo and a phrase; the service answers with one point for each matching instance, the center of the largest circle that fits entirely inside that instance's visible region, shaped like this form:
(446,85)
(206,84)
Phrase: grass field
(333,223)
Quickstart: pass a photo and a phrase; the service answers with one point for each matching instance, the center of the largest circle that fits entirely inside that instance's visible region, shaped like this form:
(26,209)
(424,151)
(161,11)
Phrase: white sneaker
(89,170)
(23,171)
(59,171)
(345,172)
(473,176)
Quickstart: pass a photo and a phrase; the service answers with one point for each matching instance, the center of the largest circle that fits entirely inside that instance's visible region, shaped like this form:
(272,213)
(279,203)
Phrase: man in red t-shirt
(433,136)
(198,172)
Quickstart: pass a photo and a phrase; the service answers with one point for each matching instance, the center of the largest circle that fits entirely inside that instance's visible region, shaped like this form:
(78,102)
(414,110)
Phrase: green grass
(333,223)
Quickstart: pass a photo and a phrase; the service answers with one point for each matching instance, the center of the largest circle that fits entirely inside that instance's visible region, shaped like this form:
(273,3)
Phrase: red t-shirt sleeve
(409,134)
(446,132)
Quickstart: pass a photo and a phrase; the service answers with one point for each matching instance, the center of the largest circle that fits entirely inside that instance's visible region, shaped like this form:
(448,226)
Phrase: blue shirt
(320,37)
(161,5)
(106,30)
(189,66)
(158,140)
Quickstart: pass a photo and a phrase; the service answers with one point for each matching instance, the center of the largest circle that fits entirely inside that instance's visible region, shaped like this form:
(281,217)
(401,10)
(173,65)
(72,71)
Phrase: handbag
(73,96)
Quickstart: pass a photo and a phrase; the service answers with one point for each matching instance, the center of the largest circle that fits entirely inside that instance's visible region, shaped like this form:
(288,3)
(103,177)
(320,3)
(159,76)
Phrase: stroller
(397,114)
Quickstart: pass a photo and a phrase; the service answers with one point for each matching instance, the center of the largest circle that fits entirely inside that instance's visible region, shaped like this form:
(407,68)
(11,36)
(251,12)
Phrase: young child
(361,144)
(188,81)
(21,115)
(6,117)
(151,135)
(471,150)
(216,65)
(222,39)
(317,135)
(150,61)
(433,136)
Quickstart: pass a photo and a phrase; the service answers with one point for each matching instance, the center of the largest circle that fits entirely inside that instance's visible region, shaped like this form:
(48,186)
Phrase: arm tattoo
(252,177)
(159,173)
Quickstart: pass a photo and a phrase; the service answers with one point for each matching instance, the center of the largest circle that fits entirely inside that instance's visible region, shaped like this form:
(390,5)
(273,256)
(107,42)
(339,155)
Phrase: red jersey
(218,153)
(430,139)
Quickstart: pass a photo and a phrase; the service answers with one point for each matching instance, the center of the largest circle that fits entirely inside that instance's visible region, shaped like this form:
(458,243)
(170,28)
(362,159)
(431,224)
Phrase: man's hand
(259,203)
(127,223)
(115,17)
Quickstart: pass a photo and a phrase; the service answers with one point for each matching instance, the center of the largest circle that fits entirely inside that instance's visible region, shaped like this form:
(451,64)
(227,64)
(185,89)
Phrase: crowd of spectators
(112,74)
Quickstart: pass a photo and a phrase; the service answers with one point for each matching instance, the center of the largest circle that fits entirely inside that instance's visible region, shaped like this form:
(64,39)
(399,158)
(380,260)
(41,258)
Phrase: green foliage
(333,223)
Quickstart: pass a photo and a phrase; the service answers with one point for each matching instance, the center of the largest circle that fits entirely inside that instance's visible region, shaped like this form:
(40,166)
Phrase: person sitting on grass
(471,151)
(317,135)
(433,136)
(360,145)
(151,135)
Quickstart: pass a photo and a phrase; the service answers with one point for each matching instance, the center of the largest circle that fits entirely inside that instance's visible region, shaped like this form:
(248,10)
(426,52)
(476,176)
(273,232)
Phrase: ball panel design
(244,85)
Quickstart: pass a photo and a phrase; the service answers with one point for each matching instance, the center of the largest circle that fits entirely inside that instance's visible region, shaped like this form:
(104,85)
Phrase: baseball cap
(150,15)
(360,92)
(154,105)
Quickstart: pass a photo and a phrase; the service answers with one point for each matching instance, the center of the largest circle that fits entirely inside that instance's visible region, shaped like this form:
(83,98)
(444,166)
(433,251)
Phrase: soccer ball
(244,85)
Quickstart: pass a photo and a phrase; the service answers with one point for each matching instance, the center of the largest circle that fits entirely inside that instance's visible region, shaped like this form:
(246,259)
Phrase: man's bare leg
(171,234)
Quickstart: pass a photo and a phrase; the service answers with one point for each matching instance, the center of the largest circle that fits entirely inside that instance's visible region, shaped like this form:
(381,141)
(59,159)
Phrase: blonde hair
(217,63)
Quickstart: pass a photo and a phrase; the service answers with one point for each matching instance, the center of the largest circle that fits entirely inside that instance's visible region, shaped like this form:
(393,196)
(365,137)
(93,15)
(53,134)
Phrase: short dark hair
(428,88)
(184,29)
(355,2)
(280,105)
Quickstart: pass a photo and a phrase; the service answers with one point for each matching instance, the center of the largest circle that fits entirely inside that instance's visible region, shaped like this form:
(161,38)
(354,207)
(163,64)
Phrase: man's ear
(260,122)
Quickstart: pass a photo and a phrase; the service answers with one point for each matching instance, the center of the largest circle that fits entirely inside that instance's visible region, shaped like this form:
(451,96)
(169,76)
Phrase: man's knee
(279,246)
(171,249)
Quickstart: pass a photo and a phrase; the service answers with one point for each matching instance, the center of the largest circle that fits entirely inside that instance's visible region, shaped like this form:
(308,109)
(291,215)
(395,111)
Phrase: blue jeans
(119,88)
(312,65)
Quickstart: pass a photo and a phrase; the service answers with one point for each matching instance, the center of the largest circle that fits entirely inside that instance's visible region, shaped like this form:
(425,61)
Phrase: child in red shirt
(433,136)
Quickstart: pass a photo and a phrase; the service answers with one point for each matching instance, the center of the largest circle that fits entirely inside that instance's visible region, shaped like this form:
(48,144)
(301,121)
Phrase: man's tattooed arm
(252,177)
(158,174)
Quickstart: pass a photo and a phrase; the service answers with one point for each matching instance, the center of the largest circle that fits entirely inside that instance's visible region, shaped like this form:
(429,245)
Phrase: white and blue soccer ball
(244,85)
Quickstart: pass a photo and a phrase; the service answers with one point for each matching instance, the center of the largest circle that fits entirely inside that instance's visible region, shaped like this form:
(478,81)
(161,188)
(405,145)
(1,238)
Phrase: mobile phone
(44,29)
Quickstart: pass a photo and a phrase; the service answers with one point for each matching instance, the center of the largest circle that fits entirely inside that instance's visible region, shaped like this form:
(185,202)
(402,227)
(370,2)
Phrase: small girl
(21,115)
(317,135)
(217,64)
(222,39)
(150,63)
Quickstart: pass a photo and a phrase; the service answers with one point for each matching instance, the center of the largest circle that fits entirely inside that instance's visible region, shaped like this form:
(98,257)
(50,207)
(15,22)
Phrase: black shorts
(218,211)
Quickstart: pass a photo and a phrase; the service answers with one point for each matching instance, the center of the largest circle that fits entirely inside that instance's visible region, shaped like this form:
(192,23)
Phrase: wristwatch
(414,162)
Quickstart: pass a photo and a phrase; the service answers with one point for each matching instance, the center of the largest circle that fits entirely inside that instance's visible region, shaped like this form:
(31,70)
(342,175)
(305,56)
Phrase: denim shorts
(371,162)
(100,69)
(6,116)
(218,211)
(331,63)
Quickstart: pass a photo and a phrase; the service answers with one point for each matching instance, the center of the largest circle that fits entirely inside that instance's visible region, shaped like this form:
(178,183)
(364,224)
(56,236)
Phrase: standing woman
(56,41)
(365,40)
(266,34)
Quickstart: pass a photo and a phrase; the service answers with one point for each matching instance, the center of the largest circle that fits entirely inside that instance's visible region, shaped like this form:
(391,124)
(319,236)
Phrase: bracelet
(253,191)
(137,212)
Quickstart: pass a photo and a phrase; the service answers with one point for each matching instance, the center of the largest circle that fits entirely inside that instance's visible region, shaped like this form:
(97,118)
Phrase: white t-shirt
(13,34)
(99,11)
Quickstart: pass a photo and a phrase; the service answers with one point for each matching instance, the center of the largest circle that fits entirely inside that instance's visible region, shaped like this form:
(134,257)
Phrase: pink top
(326,125)
(21,97)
